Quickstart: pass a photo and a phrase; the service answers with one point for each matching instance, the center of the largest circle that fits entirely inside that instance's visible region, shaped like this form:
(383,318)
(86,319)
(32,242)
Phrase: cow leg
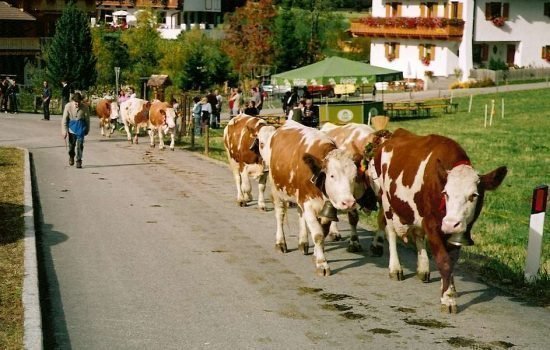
(172,138)
(280,207)
(108,126)
(423,263)
(237,177)
(445,260)
(333,231)
(127,129)
(112,126)
(101,127)
(152,138)
(261,189)
(377,245)
(161,138)
(246,188)
(136,135)
(318,237)
(396,271)
(303,243)
(354,245)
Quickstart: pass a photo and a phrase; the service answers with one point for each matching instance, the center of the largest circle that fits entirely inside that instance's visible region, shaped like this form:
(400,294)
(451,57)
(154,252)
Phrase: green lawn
(11,248)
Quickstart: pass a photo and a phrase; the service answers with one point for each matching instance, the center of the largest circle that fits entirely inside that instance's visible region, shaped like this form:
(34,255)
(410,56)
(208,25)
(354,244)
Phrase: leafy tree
(247,35)
(69,55)
(195,61)
(110,53)
(142,42)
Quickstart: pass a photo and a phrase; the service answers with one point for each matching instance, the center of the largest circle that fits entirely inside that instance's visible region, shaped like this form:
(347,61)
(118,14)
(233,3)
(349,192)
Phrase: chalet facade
(450,38)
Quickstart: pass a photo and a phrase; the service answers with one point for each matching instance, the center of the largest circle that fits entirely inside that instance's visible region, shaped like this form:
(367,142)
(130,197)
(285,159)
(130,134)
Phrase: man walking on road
(46,97)
(75,124)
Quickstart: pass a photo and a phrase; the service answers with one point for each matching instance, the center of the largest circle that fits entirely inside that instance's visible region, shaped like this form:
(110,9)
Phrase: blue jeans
(197,121)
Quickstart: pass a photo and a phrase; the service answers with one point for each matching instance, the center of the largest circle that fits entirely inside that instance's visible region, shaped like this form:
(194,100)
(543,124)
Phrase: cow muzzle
(457,230)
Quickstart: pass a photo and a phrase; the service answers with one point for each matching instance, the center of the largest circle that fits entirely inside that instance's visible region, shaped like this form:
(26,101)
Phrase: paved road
(144,249)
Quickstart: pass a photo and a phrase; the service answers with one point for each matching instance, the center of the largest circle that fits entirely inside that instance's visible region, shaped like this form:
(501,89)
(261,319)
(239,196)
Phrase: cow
(307,167)
(108,112)
(162,120)
(240,139)
(135,114)
(353,138)
(430,190)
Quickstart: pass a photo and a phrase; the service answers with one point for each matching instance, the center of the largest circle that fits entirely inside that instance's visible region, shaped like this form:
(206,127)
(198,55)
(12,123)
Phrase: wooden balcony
(446,31)
(167,4)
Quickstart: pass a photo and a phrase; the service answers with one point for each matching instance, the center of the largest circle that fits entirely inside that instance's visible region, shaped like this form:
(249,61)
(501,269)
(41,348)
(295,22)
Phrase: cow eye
(472,197)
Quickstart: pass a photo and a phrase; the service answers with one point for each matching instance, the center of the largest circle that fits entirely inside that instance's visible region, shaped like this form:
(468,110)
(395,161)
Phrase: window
(496,9)
(456,10)
(546,52)
(547,9)
(428,9)
(391,50)
(426,53)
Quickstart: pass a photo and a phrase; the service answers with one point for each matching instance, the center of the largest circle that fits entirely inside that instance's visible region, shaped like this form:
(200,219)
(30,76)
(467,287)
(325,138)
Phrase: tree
(142,42)
(194,61)
(69,55)
(247,36)
(110,53)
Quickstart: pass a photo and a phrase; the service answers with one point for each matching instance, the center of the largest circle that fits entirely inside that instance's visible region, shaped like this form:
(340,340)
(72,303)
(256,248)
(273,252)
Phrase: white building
(449,38)
(173,16)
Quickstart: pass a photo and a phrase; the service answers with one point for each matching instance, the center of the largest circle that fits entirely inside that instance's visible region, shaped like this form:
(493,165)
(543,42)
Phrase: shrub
(497,64)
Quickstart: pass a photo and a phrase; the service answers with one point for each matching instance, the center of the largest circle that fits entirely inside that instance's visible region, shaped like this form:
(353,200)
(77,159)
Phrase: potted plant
(499,21)
(426,60)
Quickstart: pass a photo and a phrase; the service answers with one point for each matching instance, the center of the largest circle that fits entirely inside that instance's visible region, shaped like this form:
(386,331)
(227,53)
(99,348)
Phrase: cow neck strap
(442,204)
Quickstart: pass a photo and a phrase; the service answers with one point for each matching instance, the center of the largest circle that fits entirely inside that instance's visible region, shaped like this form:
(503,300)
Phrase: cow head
(114,110)
(335,176)
(463,196)
(169,115)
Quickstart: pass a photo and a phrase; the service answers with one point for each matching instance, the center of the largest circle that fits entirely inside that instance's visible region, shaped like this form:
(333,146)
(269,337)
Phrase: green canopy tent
(336,70)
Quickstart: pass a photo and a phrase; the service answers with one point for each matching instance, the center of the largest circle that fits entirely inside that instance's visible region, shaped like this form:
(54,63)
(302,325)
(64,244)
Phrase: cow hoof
(397,276)
(376,251)
(281,247)
(152,146)
(354,247)
(449,309)
(241,204)
(304,248)
(333,237)
(262,208)
(423,276)
(323,271)
(171,148)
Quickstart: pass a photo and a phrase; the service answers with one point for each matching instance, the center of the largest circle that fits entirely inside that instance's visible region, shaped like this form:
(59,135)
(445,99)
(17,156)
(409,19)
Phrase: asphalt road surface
(147,249)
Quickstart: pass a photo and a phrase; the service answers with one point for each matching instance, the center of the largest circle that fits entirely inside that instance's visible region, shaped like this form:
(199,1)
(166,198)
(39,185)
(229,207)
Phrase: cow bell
(460,239)
(328,212)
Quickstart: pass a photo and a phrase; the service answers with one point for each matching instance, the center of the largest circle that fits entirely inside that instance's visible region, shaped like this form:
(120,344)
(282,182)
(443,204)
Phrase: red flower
(426,60)
(499,21)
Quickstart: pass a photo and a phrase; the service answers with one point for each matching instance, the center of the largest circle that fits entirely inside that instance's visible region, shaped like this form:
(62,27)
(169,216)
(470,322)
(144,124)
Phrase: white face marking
(461,197)
(340,179)
(170,117)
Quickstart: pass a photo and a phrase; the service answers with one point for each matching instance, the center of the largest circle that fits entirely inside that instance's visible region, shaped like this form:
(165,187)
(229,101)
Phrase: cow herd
(425,188)
(135,113)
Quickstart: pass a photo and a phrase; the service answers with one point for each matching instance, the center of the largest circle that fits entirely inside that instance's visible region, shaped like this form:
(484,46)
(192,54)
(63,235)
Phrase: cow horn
(328,212)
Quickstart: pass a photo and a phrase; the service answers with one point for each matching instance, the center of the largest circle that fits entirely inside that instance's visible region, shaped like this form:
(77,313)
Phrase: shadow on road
(54,326)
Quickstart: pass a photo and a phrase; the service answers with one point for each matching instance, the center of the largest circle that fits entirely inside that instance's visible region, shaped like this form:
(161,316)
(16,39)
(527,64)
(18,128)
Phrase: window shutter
(399,10)
(543,52)
(388,9)
(506,10)
(396,50)
(446,10)
(459,12)
(421,51)
(488,11)
(387,49)
(422,9)
(432,53)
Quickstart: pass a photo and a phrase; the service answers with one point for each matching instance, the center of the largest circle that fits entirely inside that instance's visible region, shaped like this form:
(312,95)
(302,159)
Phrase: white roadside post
(536,227)
(117,75)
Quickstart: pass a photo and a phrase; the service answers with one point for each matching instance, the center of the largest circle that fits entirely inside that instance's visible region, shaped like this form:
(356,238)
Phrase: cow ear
(492,180)
(318,177)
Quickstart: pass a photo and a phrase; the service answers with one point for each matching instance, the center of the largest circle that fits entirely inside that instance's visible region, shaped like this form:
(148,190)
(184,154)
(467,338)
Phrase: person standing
(46,97)
(65,93)
(219,100)
(257,98)
(75,124)
(310,115)
(13,91)
(197,115)
(4,88)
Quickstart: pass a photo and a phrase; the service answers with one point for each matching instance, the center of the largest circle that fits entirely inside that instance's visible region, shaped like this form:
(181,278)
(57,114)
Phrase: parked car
(276,89)
(320,90)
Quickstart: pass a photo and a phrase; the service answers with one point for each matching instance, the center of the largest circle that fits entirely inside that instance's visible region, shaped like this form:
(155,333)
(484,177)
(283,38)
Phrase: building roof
(7,12)
(159,80)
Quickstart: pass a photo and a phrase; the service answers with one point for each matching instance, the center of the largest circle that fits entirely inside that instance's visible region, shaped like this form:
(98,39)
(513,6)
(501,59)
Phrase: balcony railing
(170,4)
(409,27)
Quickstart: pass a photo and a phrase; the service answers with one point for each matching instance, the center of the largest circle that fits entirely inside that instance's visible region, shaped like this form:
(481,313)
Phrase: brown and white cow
(353,138)
(107,111)
(307,167)
(135,114)
(430,189)
(240,139)
(162,120)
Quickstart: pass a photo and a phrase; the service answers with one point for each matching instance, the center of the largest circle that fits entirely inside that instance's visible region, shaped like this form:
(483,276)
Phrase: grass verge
(11,248)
